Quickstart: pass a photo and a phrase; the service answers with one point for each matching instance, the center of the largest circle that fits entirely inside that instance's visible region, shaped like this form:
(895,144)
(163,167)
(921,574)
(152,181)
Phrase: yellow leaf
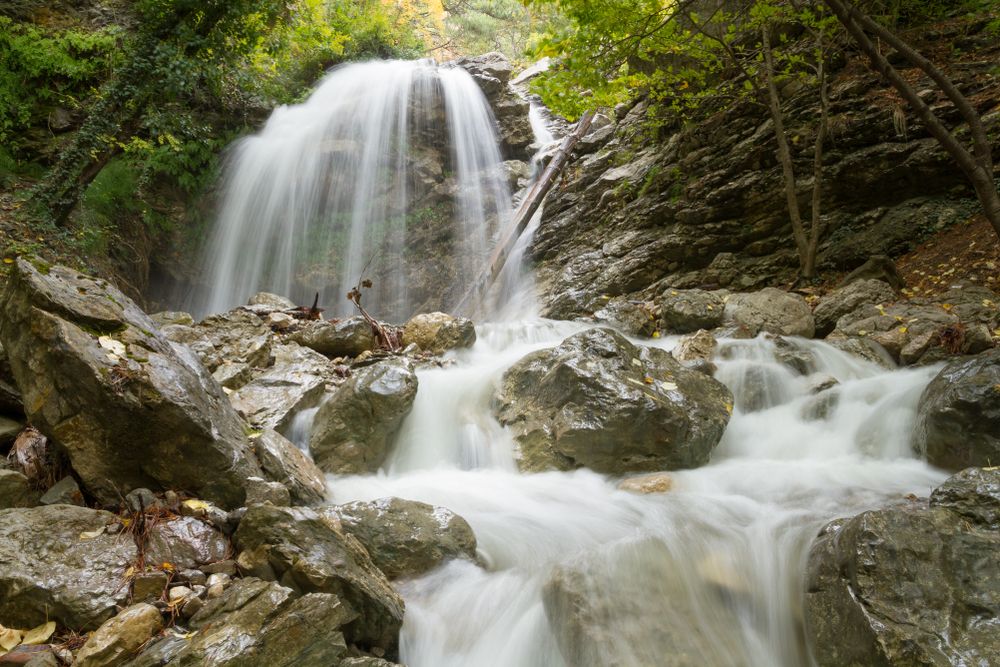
(126,522)
(167,566)
(197,505)
(902,330)
(947,306)
(710,308)
(656,334)
(39,635)
(91,534)
(9,638)
(8,261)
(649,380)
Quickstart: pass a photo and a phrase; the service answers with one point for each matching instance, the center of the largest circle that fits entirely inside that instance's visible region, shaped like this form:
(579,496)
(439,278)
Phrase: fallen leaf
(668,386)
(8,261)
(184,636)
(649,380)
(197,505)
(656,334)
(636,362)
(39,635)
(91,534)
(112,345)
(9,638)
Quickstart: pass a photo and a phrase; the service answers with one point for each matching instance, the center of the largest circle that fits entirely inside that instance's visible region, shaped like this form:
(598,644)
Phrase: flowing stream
(737,530)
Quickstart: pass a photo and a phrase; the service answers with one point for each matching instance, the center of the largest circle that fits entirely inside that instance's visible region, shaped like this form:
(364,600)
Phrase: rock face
(406,537)
(311,552)
(345,338)
(352,431)
(285,463)
(438,332)
(186,542)
(847,299)
(598,401)
(15,491)
(118,639)
(296,381)
(258,624)
(958,423)
(632,606)
(773,311)
(63,576)
(126,404)
(237,336)
(685,311)
(625,316)
(912,586)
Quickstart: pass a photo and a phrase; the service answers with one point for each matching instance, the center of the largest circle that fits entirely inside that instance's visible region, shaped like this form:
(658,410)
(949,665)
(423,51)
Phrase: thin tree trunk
(978,168)
(809,269)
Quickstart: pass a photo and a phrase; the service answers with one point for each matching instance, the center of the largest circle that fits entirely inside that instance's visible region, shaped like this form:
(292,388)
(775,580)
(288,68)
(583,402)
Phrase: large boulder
(296,381)
(406,537)
(118,639)
(846,300)
(131,409)
(59,563)
(285,463)
(348,337)
(958,417)
(599,401)
(352,431)
(774,311)
(311,552)
(918,585)
(686,311)
(185,542)
(635,604)
(438,332)
(257,624)
(237,336)
(625,316)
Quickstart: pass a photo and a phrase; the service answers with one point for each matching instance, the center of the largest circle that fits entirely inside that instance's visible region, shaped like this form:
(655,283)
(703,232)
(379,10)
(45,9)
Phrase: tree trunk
(816,232)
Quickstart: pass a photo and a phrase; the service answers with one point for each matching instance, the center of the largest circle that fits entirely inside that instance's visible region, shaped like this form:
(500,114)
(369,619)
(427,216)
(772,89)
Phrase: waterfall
(389,162)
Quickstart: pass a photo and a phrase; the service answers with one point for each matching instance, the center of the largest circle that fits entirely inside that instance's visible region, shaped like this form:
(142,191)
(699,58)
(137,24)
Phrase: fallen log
(513,231)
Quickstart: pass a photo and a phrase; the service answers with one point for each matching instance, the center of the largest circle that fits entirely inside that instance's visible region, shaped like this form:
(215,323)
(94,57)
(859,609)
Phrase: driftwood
(510,235)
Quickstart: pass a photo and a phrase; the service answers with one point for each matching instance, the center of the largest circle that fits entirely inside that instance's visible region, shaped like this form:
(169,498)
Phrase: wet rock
(185,542)
(271,301)
(598,401)
(820,382)
(958,417)
(848,299)
(797,357)
(257,624)
(438,332)
(233,376)
(9,428)
(352,431)
(918,347)
(305,548)
(977,339)
(685,311)
(284,462)
(169,317)
(644,484)
(237,336)
(878,267)
(141,500)
(774,311)
(864,349)
(296,382)
(149,584)
(637,605)
(910,587)
(261,491)
(222,567)
(695,350)
(16,491)
(130,409)
(117,640)
(893,341)
(65,492)
(344,338)
(406,537)
(821,406)
(64,576)
(625,316)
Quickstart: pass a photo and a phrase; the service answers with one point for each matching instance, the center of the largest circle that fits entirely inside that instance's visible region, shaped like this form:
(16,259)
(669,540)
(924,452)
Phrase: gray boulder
(131,409)
(257,624)
(625,316)
(285,463)
(878,267)
(344,338)
(296,381)
(598,401)
(185,542)
(405,537)
(958,417)
(311,552)
(848,299)
(237,336)
(59,563)
(16,490)
(686,311)
(271,301)
(438,332)
(352,431)
(864,349)
(774,311)
(911,586)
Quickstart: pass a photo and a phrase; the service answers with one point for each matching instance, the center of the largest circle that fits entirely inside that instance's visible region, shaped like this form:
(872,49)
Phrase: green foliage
(508,26)
(38,65)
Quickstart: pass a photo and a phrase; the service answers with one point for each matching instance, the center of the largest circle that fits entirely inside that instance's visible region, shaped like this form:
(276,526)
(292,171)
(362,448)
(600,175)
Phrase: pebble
(193,577)
(179,592)
(218,578)
(214,591)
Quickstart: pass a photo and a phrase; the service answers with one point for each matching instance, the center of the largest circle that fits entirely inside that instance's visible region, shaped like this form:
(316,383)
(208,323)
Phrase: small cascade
(391,166)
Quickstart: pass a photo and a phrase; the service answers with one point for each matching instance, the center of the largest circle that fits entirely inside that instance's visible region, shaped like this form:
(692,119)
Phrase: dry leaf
(91,534)
(39,635)
(9,638)
(668,386)
(197,505)
(112,345)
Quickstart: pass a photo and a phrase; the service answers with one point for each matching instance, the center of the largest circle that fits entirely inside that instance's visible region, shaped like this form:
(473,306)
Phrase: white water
(745,520)
(326,186)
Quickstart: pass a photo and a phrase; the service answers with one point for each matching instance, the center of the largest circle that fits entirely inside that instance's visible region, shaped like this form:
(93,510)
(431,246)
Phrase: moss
(41,266)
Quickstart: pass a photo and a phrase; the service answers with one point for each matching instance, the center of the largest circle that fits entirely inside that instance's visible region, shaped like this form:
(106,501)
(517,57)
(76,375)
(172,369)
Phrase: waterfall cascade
(390,162)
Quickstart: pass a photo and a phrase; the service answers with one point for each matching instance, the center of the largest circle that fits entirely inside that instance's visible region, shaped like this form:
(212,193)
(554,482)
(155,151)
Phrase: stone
(790,353)
(214,591)
(918,347)
(9,428)
(237,336)
(820,382)
(285,463)
(167,317)
(977,339)
(143,500)
(272,301)
(129,408)
(261,491)
(178,593)
(910,586)
(193,577)
(878,267)
(405,537)
(656,483)
(303,545)
(348,337)
(221,567)
(774,311)
(438,332)
(65,492)
(601,402)
(118,639)
(847,299)
(233,376)
(257,624)
(279,321)
(297,381)
(64,576)
(16,491)
(635,605)
(695,351)
(958,417)
(893,341)
(218,578)
(863,348)
(352,431)
(149,584)
(185,542)
(627,317)
(686,311)
(191,606)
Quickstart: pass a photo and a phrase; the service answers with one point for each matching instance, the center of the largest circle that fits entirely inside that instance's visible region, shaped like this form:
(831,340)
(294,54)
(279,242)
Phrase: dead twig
(386,341)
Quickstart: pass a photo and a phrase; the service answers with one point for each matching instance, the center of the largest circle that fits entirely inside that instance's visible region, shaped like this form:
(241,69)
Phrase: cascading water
(380,154)
(715,566)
